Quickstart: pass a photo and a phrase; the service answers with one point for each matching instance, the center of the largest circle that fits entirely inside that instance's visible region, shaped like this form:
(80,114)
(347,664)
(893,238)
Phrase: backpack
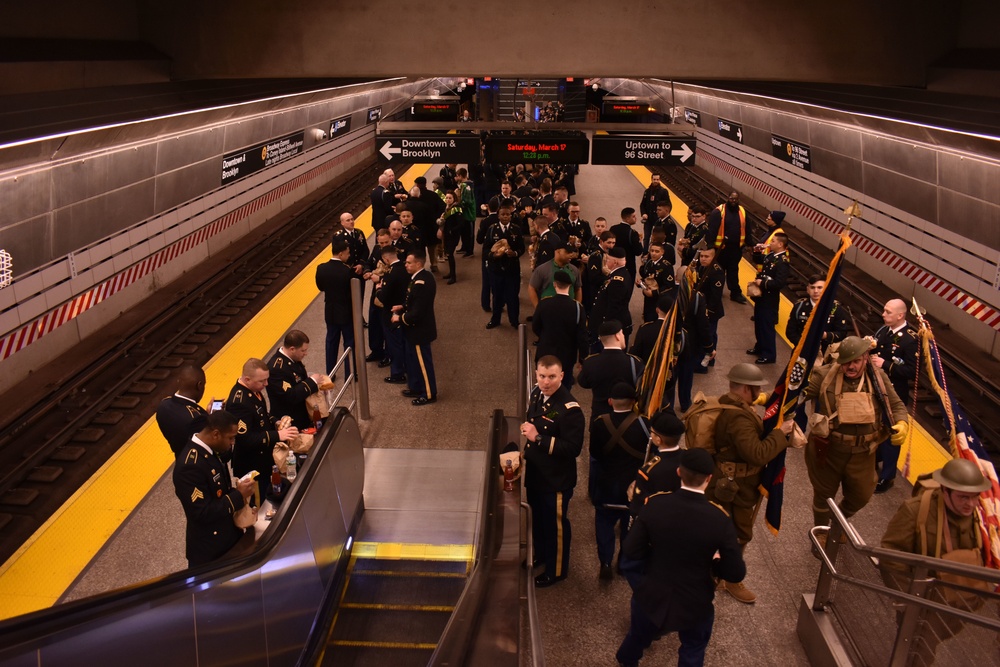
(699,421)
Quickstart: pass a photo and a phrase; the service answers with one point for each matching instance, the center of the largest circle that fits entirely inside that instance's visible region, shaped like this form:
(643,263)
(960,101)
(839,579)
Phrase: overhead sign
(374,114)
(730,130)
(340,126)
(613,108)
(693,116)
(549,149)
(792,152)
(447,148)
(436,110)
(648,150)
(249,160)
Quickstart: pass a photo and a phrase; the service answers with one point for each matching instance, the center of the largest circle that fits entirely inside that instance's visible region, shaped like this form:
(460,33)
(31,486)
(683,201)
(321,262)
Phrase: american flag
(783,400)
(964,443)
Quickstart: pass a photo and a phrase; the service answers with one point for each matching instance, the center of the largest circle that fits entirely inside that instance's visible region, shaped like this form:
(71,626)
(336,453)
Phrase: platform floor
(583,619)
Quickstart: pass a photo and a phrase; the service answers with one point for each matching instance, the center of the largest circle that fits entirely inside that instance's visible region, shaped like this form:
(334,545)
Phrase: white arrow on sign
(684,152)
(739,135)
(388,151)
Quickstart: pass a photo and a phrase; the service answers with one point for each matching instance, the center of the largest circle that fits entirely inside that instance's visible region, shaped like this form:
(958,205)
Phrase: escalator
(393,611)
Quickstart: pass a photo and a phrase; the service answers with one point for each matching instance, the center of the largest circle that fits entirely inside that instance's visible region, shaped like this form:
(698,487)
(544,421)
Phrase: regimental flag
(660,365)
(964,443)
(782,402)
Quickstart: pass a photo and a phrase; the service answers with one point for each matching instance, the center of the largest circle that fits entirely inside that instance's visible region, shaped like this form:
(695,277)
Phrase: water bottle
(292,463)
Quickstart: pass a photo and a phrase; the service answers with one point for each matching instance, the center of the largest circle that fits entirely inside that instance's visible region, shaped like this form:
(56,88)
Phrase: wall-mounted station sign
(340,126)
(550,149)
(447,148)
(260,156)
(792,152)
(730,130)
(374,115)
(664,150)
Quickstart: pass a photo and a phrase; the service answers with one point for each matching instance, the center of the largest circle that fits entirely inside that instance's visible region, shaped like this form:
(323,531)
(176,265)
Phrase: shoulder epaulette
(659,493)
(192,456)
(912,332)
(278,362)
(617,278)
(719,506)
(591,356)
(238,395)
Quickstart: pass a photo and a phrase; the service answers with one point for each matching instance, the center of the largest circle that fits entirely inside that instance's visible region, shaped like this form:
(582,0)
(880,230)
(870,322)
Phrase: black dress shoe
(423,401)
(447,277)
(451,281)
(384,363)
(606,574)
(739,299)
(374,356)
(884,485)
(515,324)
(544,580)
(409,393)
(395,379)
(763,362)
(753,350)
(468,254)
(492,325)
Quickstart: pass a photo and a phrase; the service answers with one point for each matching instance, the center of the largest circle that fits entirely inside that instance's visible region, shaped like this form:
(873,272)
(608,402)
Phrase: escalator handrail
(456,639)
(35,625)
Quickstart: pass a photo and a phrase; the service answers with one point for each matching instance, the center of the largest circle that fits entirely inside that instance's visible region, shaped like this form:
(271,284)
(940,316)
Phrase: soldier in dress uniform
(257,431)
(740,454)
(843,391)
(356,243)
(595,272)
(375,268)
(390,291)
(659,473)
(288,385)
(554,438)
(416,317)
(547,240)
(773,226)
(618,442)
(612,299)
(205,489)
(573,229)
(178,415)
(695,328)
(654,197)
(656,277)
(561,326)
(709,278)
(838,326)
(648,332)
(412,236)
(502,265)
(628,240)
(895,353)
(600,372)
(771,279)
(694,234)
(685,543)
(663,222)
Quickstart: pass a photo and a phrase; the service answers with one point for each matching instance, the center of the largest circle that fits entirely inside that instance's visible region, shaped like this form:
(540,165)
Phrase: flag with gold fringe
(662,360)
(782,402)
(963,442)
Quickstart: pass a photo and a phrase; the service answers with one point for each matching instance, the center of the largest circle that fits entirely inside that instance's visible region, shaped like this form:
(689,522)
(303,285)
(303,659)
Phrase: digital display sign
(625,108)
(550,149)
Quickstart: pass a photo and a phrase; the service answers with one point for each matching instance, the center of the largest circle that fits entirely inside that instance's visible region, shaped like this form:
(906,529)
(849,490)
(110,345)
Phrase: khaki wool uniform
(903,534)
(740,454)
(847,458)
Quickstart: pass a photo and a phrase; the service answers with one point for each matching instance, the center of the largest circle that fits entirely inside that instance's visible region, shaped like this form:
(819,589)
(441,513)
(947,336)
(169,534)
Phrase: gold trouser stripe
(407,645)
(559,534)
(423,371)
(397,607)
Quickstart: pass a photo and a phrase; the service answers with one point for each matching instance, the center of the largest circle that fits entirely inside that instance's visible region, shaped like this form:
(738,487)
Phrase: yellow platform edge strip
(927,454)
(45,566)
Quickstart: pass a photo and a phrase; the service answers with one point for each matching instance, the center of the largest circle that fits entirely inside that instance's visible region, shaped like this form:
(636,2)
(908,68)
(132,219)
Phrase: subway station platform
(126,527)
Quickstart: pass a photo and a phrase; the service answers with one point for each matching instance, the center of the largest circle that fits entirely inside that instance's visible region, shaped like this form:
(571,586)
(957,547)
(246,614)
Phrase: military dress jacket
(551,457)
(899,353)
(612,299)
(418,322)
(288,386)
(256,434)
(176,415)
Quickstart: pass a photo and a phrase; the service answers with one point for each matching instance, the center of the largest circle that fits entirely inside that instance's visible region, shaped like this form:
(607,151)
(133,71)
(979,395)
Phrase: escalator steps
(403,583)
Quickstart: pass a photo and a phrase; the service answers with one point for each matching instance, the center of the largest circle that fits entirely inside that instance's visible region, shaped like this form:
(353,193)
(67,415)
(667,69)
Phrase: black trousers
(504,288)
(729,259)
(550,529)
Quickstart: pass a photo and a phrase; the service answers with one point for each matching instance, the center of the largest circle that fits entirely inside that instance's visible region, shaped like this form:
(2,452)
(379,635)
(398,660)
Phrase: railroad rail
(51,447)
(969,377)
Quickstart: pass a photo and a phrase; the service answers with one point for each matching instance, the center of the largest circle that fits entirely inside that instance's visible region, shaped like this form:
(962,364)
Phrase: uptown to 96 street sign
(650,150)
(447,148)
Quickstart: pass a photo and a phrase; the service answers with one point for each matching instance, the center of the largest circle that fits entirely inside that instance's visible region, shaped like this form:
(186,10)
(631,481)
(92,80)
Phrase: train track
(971,375)
(51,447)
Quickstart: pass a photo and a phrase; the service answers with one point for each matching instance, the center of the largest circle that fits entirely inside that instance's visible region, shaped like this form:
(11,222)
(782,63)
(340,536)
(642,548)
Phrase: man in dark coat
(771,279)
(554,438)
(178,415)
(651,198)
(628,240)
(390,291)
(601,371)
(659,473)
(334,279)
(503,268)
(561,326)
(416,317)
(686,542)
(288,385)
(205,489)
(613,297)
(618,441)
(895,353)
(646,335)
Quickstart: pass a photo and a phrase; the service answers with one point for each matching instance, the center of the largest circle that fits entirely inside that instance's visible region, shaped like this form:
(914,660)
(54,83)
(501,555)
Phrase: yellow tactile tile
(409,551)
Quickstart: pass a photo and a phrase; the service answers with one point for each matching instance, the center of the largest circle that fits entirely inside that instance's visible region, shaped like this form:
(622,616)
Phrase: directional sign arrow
(388,151)
(739,135)
(684,152)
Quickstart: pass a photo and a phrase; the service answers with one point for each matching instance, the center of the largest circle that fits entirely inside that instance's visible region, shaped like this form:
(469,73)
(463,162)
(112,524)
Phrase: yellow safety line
(397,607)
(402,551)
(928,455)
(41,571)
(406,645)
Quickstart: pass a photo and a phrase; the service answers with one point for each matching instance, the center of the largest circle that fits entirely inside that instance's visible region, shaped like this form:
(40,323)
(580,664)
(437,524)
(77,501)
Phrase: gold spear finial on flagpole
(852,211)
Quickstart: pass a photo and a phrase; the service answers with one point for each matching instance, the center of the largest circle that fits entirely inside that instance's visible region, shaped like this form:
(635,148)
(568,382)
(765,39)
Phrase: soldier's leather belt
(738,470)
(858,443)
